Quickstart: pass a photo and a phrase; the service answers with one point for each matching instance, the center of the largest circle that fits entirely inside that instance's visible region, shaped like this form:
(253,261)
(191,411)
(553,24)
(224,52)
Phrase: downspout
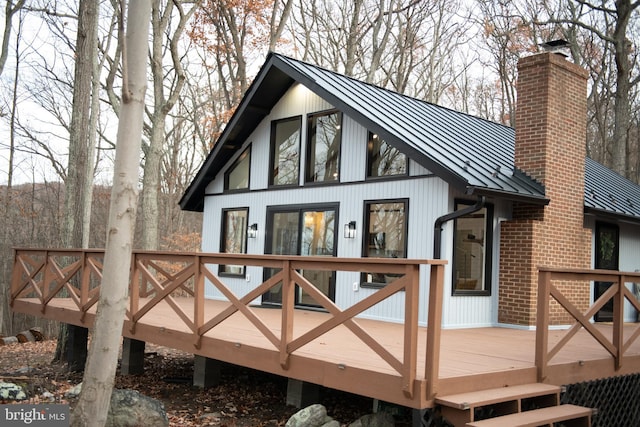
(437,232)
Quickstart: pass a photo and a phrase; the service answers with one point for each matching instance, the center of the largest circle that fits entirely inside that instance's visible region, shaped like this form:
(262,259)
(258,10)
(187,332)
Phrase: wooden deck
(394,362)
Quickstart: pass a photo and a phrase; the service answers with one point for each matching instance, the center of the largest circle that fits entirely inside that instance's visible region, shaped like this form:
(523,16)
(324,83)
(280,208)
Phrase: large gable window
(472,240)
(237,177)
(385,235)
(383,159)
(323,148)
(234,238)
(285,151)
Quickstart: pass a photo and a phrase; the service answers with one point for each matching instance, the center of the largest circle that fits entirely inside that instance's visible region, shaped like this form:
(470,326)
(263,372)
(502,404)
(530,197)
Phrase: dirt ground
(244,398)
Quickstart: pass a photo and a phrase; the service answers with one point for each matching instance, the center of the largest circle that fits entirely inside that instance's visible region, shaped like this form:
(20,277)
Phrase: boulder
(379,419)
(129,408)
(312,416)
(10,391)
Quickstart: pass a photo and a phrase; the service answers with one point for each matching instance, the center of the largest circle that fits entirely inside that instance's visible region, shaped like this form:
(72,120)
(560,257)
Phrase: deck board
(471,359)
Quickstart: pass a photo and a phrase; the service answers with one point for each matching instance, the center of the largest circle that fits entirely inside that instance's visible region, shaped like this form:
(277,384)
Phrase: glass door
(307,231)
(606,257)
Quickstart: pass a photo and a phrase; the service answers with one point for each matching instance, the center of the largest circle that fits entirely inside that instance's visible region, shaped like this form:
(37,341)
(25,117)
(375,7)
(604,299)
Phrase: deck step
(578,415)
(497,395)
(459,409)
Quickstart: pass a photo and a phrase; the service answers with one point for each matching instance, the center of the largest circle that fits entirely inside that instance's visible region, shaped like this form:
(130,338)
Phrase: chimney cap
(558,46)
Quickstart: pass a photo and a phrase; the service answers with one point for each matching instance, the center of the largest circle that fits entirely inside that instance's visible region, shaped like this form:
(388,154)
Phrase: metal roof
(470,153)
(608,193)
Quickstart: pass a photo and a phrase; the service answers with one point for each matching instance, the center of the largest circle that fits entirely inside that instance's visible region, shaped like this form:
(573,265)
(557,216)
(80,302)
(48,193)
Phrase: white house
(317,163)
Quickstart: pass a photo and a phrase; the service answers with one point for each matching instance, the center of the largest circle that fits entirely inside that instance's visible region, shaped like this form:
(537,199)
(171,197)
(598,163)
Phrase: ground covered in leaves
(244,397)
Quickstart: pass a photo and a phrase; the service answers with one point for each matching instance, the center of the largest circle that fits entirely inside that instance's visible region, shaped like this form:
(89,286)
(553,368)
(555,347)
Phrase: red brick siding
(550,147)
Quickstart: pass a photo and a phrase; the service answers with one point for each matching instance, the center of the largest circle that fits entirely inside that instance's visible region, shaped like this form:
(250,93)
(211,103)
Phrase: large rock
(379,419)
(129,408)
(11,391)
(312,416)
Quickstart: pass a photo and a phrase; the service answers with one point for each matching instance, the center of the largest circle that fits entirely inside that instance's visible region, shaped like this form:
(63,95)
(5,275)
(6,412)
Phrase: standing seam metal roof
(472,154)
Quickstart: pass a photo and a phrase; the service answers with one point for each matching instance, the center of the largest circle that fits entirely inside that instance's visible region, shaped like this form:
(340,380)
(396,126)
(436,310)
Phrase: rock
(10,391)
(332,423)
(130,408)
(74,391)
(311,416)
(379,419)
(48,396)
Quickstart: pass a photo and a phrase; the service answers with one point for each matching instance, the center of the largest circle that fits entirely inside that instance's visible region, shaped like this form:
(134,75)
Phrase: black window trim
(488,261)
(272,142)
(224,211)
(308,168)
(240,158)
(367,177)
(365,235)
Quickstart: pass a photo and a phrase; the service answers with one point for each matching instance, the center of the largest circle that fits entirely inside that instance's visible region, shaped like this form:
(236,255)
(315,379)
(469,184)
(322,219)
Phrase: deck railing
(163,276)
(617,291)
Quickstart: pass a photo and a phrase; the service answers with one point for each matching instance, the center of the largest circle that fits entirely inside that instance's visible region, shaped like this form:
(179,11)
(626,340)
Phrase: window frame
(369,156)
(366,236)
(488,250)
(272,151)
(246,153)
(309,175)
(223,229)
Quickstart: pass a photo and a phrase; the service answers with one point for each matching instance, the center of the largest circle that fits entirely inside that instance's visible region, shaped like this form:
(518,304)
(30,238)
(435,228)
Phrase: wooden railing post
(288,301)
(85,280)
(46,278)
(411,297)
(542,324)
(198,298)
(618,321)
(434,329)
(134,291)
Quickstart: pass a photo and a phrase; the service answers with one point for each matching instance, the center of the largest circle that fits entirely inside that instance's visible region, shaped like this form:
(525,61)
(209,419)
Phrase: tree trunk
(93,404)
(76,179)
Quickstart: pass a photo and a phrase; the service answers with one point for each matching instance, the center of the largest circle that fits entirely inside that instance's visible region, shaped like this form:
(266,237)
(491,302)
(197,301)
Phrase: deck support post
(77,338)
(417,417)
(132,357)
(206,372)
(301,394)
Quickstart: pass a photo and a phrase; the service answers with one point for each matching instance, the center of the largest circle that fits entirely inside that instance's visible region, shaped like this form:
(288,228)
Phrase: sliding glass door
(307,231)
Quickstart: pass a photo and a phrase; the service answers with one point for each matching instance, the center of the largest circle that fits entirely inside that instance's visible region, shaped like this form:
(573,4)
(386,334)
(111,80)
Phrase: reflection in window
(383,159)
(234,237)
(472,251)
(385,235)
(323,155)
(285,151)
(237,177)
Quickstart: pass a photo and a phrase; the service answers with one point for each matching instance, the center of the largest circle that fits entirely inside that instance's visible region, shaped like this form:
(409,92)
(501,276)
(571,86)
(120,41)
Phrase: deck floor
(470,359)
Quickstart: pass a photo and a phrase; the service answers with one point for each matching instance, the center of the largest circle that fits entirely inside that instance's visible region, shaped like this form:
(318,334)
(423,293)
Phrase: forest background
(56,59)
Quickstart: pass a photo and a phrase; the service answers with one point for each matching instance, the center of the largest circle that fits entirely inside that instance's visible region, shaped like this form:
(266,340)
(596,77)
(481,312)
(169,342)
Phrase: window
(323,148)
(472,240)
(385,235)
(383,159)
(234,238)
(285,151)
(237,176)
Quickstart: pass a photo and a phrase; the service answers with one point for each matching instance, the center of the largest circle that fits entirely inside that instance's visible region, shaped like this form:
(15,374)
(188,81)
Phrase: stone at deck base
(312,416)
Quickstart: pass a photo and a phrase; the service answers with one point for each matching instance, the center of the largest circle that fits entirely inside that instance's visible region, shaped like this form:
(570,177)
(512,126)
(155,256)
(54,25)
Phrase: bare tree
(93,404)
(610,22)
(167,88)
(10,9)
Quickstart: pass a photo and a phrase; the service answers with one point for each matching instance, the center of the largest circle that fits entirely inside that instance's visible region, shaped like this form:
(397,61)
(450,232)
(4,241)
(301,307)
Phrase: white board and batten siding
(429,197)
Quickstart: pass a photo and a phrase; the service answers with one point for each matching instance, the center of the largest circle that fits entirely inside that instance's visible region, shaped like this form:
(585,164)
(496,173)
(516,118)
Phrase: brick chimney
(550,147)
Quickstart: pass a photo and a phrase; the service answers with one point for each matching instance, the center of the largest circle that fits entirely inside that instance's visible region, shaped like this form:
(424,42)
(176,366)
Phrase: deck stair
(526,405)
